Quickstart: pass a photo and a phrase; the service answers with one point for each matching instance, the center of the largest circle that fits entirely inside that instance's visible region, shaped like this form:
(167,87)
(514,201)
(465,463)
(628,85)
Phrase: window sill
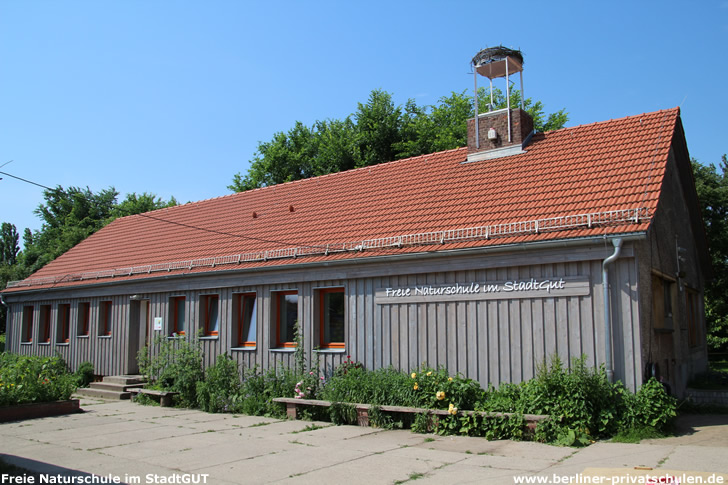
(62,344)
(210,337)
(26,343)
(81,336)
(283,350)
(44,343)
(330,351)
(244,349)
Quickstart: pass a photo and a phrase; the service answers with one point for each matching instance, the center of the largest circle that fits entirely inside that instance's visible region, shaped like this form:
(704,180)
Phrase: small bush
(222,382)
(177,367)
(28,379)
(84,374)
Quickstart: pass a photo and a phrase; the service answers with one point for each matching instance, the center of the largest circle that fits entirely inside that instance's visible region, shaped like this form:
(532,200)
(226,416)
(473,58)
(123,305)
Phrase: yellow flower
(429,373)
(440,395)
(449,378)
(414,375)
(452,409)
(416,386)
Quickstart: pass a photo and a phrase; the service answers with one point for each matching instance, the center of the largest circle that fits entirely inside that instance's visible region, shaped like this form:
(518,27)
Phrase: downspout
(617,242)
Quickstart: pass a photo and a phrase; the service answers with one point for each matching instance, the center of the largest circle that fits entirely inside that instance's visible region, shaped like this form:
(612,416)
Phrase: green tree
(379,131)
(137,204)
(712,188)
(8,244)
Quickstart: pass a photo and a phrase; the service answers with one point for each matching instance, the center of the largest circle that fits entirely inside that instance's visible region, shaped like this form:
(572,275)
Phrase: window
(83,319)
(693,316)
(62,323)
(245,310)
(286,316)
(209,314)
(105,319)
(177,315)
(663,296)
(45,324)
(27,324)
(331,317)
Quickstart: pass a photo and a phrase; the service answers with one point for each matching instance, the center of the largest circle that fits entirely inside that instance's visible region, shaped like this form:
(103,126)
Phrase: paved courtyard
(126,442)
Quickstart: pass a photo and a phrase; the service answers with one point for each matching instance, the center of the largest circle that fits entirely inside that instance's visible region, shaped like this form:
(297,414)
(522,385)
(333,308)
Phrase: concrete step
(124,380)
(103,393)
(113,387)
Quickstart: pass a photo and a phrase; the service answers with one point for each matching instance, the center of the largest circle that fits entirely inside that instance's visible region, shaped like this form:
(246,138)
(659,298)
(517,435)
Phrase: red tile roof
(616,165)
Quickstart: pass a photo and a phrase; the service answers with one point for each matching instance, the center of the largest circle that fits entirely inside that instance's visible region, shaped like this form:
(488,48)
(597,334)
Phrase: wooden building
(486,259)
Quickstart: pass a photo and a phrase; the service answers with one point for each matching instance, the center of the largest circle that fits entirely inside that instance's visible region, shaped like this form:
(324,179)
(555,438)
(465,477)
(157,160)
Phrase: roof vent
(502,132)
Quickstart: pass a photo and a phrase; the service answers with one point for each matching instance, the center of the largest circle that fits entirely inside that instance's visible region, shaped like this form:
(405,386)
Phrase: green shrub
(28,379)
(222,382)
(84,374)
(650,407)
(256,393)
(436,389)
(386,386)
(582,403)
(176,367)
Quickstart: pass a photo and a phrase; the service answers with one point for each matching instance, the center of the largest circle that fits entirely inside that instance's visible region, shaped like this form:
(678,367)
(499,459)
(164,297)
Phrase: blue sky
(172,97)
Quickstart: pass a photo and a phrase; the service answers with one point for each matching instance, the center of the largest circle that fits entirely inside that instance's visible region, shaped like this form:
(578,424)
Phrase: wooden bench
(165,397)
(362,411)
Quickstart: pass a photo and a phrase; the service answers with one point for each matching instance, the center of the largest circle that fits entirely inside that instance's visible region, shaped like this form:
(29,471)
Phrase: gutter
(419,256)
(617,242)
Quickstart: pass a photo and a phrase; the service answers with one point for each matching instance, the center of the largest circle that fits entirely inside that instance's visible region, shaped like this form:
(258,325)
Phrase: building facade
(586,241)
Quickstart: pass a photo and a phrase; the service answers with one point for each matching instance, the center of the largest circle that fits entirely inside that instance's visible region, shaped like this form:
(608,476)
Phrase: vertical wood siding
(492,341)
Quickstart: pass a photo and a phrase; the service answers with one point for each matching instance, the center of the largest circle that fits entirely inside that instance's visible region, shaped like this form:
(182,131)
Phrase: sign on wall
(158,323)
(550,287)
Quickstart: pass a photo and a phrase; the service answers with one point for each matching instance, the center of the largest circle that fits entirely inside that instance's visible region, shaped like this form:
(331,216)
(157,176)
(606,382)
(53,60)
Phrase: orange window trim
(322,320)
(46,315)
(241,319)
(209,299)
(64,311)
(175,315)
(105,318)
(280,295)
(84,308)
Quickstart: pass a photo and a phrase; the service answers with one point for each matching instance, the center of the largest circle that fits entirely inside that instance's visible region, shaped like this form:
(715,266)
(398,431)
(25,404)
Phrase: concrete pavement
(126,442)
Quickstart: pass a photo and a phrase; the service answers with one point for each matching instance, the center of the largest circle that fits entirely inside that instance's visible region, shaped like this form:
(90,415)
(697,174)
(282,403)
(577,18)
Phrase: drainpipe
(617,242)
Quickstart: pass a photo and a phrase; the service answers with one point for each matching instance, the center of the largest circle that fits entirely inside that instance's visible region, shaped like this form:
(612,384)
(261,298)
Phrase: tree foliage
(69,216)
(378,131)
(712,188)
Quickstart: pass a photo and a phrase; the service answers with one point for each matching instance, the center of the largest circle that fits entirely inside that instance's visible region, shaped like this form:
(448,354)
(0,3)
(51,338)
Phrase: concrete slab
(130,440)
(698,458)
(274,466)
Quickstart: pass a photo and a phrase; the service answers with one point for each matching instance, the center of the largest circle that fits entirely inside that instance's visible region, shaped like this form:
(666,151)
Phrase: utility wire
(27,181)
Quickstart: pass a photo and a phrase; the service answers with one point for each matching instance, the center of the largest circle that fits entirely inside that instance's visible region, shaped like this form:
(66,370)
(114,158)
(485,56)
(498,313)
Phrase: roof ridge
(613,120)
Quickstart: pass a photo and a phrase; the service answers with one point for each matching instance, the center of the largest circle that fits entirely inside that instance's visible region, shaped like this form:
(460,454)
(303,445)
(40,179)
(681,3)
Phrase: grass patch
(310,427)
(636,435)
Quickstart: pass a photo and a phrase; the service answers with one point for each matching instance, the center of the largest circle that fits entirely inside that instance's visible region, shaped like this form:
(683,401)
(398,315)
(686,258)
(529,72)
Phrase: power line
(26,181)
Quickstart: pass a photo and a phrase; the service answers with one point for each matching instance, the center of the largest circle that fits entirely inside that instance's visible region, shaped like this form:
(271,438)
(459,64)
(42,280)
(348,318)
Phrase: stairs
(112,387)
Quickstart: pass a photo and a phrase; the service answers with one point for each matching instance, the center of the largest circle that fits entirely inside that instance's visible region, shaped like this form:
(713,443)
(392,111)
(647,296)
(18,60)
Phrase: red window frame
(207,302)
(83,319)
(105,318)
(322,310)
(63,322)
(28,323)
(175,302)
(45,324)
(242,325)
(280,296)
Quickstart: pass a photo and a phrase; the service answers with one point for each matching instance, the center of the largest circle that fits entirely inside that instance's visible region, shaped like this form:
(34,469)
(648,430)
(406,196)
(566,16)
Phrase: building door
(139,332)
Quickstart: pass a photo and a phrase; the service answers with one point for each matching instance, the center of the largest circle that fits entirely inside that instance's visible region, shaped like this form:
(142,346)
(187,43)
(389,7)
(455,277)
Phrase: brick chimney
(502,132)
(495,138)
